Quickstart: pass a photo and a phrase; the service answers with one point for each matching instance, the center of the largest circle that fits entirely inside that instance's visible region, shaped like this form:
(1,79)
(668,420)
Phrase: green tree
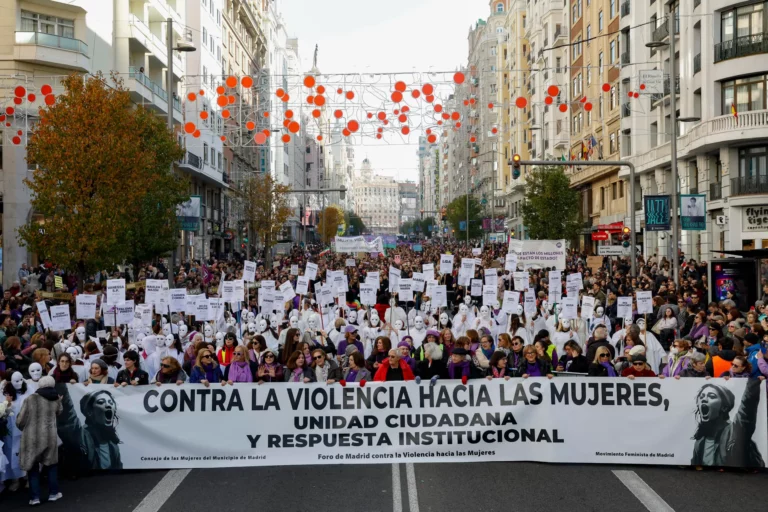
(355,225)
(551,206)
(457,214)
(96,157)
(425,225)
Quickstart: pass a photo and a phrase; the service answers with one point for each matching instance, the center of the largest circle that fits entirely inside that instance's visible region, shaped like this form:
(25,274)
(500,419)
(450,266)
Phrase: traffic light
(245,240)
(625,236)
(516,166)
(512,233)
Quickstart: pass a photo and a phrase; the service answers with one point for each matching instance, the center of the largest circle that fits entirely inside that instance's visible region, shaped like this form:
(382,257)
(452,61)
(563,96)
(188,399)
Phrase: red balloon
(548,100)
(587,106)
(606,87)
(521,102)
(552,90)
(563,107)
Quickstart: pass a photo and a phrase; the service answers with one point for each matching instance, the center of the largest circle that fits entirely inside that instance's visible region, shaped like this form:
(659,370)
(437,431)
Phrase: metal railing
(148,83)
(667,90)
(745,185)
(625,58)
(743,46)
(660,32)
(625,8)
(626,110)
(697,63)
(52,41)
(715,191)
(192,160)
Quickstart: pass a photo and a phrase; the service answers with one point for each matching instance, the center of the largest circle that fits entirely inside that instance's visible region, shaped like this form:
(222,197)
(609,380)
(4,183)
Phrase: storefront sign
(754,218)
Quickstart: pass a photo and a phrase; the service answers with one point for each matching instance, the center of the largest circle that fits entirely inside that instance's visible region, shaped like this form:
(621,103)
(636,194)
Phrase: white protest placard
(510,262)
(367,294)
(491,277)
(60,320)
(239,295)
(85,307)
(215,308)
(430,288)
(476,251)
(178,300)
(574,283)
(624,307)
(45,317)
(269,284)
(529,306)
(520,280)
(372,278)
(152,291)
(476,287)
(294,270)
(142,313)
(429,270)
(201,310)
(405,290)
(302,285)
(350,262)
(115,291)
(311,271)
(570,307)
(287,290)
(326,295)
(394,277)
(125,313)
(101,334)
(511,300)
(227,290)
(190,305)
(490,295)
(439,296)
(644,302)
(163,298)
(267,299)
(249,271)
(446,263)
(419,281)
(108,313)
(587,306)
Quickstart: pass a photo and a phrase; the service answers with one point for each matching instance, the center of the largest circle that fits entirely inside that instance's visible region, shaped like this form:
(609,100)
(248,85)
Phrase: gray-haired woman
(697,368)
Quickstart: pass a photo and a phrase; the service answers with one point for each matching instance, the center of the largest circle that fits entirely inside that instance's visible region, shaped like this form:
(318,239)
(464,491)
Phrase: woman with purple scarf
(458,367)
(241,369)
(601,366)
(404,347)
(498,366)
(269,369)
(350,338)
(296,371)
(534,366)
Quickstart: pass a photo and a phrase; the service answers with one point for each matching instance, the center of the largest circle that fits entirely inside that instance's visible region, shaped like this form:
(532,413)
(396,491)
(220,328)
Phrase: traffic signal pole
(601,163)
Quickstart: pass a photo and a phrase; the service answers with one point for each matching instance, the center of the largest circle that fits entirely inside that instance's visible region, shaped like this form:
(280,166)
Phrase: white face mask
(674,350)
(293,322)
(545,305)
(566,324)
(65,344)
(131,333)
(443,318)
(80,333)
(399,325)
(133,347)
(641,324)
(208,331)
(219,339)
(467,300)
(166,329)
(183,330)
(17,380)
(160,341)
(418,322)
(392,303)
(73,353)
(163,321)
(312,323)
(231,321)
(599,312)
(252,328)
(485,313)
(251,316)
(463,309)
(352,317)
(169,340)
(35,371)
(375,318)
(262,325)
(519,309)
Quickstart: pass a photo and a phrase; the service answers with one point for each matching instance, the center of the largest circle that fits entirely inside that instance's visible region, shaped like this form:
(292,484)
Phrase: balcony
(625,58)
(50,49)
(195,166)
(753,44)
(661,32)
(746,185)
(144,80)
(625,8)
(697,63)
(667,90)
(558,34)
(715,191)
(626,110)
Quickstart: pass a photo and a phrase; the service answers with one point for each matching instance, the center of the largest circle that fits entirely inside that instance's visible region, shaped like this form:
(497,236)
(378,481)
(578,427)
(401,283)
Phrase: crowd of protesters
(394,340)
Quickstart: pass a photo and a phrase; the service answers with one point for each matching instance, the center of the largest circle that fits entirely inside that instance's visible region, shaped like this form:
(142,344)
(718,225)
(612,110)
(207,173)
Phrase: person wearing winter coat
(679,358)
(722,357)
(296,370)
(459,366)
(325,369)
(240,368)
(206,369)
(131,374)
(599,340)
(393,369)
(601,365)
(39,445)
(269,370)
(753,351)
(697,368)
(534,366)
(433,364)
(740,369)
(638,368)
(357,371)
(574,360)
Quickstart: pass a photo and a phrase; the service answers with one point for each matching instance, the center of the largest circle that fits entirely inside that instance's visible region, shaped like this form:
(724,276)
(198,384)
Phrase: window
(600,63)
(218,53)
(213,157)
(613,52)
(33,22)
(602,198)
(589,33)
(220,161)
(613,147)
(205,74)
(557,64)
(614,97)
(500,7)
(218,17)
(577,47)
(600,21)
(224,36)
(600,105)
(205,153)
(745,94)
(621,189)
(211,46)
(589,75)
(753,162)
(205,36)
(613,9)
(742,21)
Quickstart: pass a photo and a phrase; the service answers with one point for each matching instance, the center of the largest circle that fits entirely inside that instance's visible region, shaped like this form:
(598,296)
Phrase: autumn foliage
(97,159)
(330,219)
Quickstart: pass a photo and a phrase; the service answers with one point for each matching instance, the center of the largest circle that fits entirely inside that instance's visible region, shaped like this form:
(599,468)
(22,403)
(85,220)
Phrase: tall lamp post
(673,141)
(182,47)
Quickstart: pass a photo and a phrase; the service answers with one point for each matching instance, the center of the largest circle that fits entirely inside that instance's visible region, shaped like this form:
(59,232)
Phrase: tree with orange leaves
(330,219)
(98,159)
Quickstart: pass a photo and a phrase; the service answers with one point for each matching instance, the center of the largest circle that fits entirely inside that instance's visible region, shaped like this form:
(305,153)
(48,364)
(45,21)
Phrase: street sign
(612,250)
(600,235)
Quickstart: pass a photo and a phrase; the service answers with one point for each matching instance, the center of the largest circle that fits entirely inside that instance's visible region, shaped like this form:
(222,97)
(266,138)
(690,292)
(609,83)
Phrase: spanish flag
(733,111)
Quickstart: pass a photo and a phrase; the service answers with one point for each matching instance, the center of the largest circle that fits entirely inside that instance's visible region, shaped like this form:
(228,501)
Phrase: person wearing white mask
(443,321)
(563,334)
(372,331)
(462,321)
(35,372)
(418,333)
(14,394)
(484,321)
(78,364)
(600,318)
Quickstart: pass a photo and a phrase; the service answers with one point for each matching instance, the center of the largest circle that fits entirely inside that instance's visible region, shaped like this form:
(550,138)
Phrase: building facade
(378,201)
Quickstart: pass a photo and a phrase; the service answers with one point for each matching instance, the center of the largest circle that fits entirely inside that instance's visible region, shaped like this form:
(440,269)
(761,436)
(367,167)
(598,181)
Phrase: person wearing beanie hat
(269,370)
(39,442)
(720,441)
(349,340)
(405,350)
(753,350)
(639,368)
(458,366)
(99,373)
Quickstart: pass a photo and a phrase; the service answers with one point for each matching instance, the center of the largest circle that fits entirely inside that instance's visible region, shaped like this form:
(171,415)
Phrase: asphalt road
(487,487)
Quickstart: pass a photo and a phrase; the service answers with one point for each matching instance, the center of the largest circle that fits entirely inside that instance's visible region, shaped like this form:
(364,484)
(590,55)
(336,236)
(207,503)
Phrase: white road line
(397,497)
(162,491)
(642,491)
(413,493)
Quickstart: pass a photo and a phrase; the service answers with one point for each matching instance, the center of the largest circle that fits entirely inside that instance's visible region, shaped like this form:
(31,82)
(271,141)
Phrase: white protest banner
(624,307)
(350,262)
(372,278)
(287,290)
(178,300)
(215,308)
(60,320)
(249,271)
(85,307)
(152,291)
(529,304)
(477,251)
(511,300)
(239,294)
(510,262)
(125,313)
(476,288)
(644,302)
(439,296)
(430,288)
(350,244)
(326,295)
(394,277)
(227,290)
(491,277)
(367,295)
(520,280)
(490,295)
(294,270)
(267,299)
(419,281)
(573,284)
(570,307)
(202,313)
(429,270)
(516,420)
(115,291)
(587,306)
(45,317)
(446,263)
(311,271)
(405,290)
(539,253)
(142,314)
(302,285)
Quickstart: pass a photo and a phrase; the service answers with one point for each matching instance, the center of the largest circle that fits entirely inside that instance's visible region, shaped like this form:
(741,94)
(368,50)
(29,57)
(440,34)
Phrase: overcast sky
(374,36)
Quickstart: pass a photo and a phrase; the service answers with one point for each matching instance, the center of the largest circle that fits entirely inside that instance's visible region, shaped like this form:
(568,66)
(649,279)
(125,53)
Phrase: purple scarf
(454,368)
(609,367)
(352,375)
(210,374)
(240,372)
(533,370)
(297,375)
(498,372)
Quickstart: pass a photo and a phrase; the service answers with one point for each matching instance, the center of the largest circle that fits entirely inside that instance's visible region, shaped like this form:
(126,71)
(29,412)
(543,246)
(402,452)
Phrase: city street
(412,488)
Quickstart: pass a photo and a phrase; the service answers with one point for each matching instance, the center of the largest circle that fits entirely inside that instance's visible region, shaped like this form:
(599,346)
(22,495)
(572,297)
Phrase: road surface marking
(413,493)
(397,497)
(162,491)
(642,491)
